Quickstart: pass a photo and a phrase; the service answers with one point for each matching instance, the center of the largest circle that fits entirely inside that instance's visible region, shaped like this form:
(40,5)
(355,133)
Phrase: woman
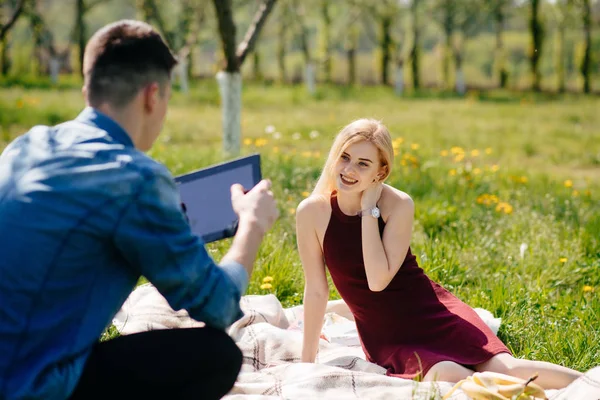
(361,229)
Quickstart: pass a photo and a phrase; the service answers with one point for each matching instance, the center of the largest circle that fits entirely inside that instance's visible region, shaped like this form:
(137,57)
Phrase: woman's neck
(349,203)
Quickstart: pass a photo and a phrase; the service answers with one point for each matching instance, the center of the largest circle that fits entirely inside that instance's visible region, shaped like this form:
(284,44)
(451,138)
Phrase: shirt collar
(93,117)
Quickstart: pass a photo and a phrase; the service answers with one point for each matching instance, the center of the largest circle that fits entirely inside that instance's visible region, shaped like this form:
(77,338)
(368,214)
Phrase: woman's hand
(371,195)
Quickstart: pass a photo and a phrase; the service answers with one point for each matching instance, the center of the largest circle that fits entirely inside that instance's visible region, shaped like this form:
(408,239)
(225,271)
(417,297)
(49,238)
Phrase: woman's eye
(362,164)
(345,158)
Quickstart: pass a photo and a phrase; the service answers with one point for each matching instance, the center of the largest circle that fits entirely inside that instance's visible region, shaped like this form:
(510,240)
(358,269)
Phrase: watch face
(375,212)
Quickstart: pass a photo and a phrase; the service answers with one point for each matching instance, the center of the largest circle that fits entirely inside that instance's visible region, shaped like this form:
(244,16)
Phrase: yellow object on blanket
(494,386)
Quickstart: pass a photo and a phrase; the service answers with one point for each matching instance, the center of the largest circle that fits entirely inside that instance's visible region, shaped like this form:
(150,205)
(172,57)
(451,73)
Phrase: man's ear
(151,93)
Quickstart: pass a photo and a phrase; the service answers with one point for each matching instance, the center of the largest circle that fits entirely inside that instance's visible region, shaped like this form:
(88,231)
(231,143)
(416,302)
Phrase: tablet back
(206,196)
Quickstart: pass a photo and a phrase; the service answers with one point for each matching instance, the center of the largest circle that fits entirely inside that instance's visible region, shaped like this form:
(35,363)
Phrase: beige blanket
(271,340)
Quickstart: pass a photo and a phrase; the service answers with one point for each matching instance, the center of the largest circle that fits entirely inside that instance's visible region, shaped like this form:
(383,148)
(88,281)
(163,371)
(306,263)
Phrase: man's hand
(256,206)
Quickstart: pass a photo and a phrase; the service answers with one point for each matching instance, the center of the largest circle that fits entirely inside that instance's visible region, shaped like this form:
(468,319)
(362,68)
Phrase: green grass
(541,175)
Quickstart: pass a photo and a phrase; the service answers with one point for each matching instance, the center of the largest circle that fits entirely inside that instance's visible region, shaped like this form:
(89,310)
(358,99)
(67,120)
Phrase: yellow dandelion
(415,146)
(588,193)
(563,259)
(305,194)
(260,142)
(292,211)
(488,151)
(267,279)
(317,154)
(247,142)
(504,208)
(20,103)
(452,172)
(397,142)
(444,153)
(266,286)
(396,152)
(475,153)
(575,193)
(456,150)
(459,157)
(588,288)
(275,149)
(523,179)
(476,171)
(495,168)
(306,154)
(403,161)
(568,183)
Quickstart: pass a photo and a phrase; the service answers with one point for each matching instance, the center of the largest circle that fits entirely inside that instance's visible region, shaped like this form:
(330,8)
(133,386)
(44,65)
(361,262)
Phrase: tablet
(206,196)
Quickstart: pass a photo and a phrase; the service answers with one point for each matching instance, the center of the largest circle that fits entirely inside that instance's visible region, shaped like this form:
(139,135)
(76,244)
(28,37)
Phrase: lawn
(506,188)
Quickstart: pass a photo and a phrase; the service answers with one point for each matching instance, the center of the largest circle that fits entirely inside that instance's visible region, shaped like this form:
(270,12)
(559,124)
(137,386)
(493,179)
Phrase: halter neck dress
(414,323)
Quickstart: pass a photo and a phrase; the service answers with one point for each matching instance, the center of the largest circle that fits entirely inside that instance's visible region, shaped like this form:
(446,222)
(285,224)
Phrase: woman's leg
(551,376)
(171,364)
(447,371)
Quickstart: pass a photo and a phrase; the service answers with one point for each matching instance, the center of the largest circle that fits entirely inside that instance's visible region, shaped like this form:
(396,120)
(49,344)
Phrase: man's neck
(125,119)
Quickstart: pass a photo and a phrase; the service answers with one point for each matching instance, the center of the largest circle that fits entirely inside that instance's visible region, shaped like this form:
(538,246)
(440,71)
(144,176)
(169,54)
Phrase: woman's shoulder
(314,205)
(393,199)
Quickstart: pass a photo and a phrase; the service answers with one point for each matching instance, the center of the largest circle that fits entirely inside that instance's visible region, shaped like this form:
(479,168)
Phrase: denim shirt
(83,215)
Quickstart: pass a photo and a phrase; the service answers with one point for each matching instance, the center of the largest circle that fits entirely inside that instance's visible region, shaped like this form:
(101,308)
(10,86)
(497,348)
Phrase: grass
(506,186)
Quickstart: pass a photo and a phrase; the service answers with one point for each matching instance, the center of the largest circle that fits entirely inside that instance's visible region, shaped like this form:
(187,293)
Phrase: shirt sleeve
(155,238)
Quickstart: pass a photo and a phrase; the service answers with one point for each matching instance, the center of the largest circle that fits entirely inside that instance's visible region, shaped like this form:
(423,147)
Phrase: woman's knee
(447,371)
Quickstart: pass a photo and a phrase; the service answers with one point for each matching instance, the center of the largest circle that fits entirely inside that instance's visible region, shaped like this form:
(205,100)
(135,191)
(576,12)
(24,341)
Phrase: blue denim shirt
(83,215)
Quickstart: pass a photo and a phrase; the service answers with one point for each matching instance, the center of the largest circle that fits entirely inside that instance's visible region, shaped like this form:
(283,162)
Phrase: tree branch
(16,13)
(227,33)
(254,30)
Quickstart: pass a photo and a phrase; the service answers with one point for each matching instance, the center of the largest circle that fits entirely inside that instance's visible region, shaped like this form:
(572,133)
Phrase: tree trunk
(227,31)
(326,41)
(459,84)
(230,89)
(5,55)
(5,28)
(414,51)
(560,56)
(537,37)
(399,79)
(500,54)
(80,30)
(281,48)
(448,31)
(309,74)
(586,63)
(385,44)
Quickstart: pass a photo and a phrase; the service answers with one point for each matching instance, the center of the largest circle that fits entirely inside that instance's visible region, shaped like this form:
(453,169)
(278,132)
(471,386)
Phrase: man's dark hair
(122,58)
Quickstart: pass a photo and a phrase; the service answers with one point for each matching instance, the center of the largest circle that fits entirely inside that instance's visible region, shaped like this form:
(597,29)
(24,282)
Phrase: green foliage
(489,173)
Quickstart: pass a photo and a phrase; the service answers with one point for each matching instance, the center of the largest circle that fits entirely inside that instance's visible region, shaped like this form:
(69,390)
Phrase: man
(83,214)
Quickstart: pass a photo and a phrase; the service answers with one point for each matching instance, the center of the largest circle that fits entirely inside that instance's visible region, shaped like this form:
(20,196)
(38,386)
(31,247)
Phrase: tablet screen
(206,196)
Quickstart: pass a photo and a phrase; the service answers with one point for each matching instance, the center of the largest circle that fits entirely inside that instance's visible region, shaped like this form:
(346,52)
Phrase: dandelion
(563,260)
(269,129)
(475,153)
(306,154)
(266,286)
(260,142)
(457,150)
(476,171)
(20,103)
(487,199)
(504,207)
(495,168)
(275,149)
(313,134)
(247,142)
(296,136)
(588,289)
(415,146)
(523,249)
(277,135)
(459,157)
(305,194)
(396,152)
(403,161)
(317,154)
(523,179)
(575,193)
(568,183)
(267,279)
(452,172)
(444,153)
(292,211)
(397,142)
(488,151)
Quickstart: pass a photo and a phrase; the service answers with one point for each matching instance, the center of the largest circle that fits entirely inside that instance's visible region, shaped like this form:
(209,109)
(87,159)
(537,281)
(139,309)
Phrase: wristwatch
(373,212)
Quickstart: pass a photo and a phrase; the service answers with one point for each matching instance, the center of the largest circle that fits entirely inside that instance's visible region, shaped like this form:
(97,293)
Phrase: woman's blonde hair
(367,129)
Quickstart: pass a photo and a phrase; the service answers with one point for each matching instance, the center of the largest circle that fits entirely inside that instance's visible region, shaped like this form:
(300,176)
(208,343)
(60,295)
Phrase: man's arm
(155,238)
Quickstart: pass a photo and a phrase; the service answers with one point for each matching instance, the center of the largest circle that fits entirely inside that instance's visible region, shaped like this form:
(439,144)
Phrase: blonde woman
(360,228)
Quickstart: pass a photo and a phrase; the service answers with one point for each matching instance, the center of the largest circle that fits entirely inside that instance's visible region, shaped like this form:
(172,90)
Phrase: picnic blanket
(270,338)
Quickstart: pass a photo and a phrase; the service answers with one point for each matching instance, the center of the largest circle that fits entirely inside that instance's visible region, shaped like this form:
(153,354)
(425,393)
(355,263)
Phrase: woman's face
(357,167)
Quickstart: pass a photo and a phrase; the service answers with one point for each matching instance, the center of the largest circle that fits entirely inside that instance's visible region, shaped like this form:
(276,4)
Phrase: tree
(499,14)
(229,78)
(415,49)
(4,29)
(586,62)
(80,32)
(304,36)
(537,40)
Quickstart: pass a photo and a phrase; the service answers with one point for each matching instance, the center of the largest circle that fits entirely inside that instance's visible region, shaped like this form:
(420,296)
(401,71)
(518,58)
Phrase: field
(506,187)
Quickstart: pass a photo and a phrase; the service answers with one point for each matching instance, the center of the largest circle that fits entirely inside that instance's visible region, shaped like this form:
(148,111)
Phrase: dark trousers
(198,363)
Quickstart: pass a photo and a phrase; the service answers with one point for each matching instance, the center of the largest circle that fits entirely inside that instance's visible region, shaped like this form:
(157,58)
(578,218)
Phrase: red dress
(412,324)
